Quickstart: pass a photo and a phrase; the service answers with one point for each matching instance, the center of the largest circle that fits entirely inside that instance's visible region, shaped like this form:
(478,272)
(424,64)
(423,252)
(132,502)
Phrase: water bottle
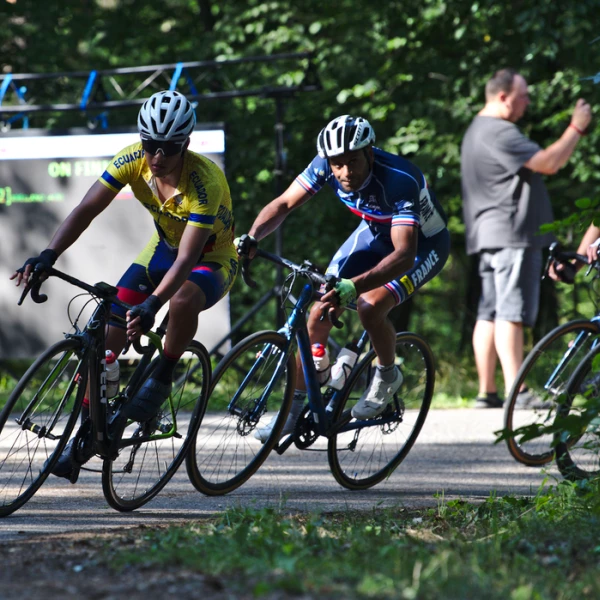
(321,359)
(343,366)
(112,374)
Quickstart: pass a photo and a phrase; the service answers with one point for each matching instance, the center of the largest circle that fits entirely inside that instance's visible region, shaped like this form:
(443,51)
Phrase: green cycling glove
(346,292)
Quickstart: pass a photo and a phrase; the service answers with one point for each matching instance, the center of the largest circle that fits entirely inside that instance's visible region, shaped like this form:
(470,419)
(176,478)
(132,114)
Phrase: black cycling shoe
(64,465)
(146,404)
(77,452)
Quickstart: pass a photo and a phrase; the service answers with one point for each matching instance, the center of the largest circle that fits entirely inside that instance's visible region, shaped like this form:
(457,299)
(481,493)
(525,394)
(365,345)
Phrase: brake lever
(332,317)
(246,273)
(33,286)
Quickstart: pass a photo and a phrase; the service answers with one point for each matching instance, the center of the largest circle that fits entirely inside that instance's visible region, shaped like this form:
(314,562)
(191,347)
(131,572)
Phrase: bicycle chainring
(305,432)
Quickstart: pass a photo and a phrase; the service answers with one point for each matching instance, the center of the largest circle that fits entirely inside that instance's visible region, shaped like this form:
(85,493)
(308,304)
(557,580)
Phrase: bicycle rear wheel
(578,440)
(362,456)
(36,422)
(256,376)
(545,371)
(142,469)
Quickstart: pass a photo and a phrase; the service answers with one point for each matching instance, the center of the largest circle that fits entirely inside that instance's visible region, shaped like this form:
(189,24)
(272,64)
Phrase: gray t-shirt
(504,203)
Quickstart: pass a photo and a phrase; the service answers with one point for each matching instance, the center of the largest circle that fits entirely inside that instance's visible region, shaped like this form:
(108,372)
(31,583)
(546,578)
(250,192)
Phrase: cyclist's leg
(135,278)
(359,253)
(373,309)
(209,281)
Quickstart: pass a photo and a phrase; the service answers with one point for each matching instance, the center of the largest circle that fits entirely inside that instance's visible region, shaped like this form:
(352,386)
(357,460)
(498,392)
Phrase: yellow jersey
(202,198)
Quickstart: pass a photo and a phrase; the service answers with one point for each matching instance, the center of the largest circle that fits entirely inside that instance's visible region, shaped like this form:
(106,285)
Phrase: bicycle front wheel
(545,372)
(36,422)
(254,382)
(144,467)
(578,438)
(363,453)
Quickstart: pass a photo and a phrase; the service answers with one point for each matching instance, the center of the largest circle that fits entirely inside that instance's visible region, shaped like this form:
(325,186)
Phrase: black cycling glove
(146,311)
(44,262)
(244,244)
(566,272)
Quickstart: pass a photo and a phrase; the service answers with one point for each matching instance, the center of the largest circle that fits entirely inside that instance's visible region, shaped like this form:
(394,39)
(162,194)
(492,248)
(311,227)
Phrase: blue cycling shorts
(363,250)
(213,274)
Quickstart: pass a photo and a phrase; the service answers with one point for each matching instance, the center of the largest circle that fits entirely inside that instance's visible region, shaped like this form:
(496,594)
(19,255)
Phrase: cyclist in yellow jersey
(190,260)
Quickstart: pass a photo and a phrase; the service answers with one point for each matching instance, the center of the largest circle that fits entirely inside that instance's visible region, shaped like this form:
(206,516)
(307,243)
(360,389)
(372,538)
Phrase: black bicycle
(256,380)
(43,410)
(546,371)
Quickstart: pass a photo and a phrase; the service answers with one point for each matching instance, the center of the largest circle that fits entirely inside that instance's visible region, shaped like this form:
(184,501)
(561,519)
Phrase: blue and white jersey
(395,194)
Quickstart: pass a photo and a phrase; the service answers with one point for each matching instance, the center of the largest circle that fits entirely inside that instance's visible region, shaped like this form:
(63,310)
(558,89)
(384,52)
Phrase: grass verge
(517,548)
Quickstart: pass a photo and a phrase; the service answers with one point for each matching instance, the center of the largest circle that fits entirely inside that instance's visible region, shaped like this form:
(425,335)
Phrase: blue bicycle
(546,372)
(257,378)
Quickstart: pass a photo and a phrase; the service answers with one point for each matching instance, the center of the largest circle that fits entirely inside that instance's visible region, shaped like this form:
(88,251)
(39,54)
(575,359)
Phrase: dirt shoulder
(79,565)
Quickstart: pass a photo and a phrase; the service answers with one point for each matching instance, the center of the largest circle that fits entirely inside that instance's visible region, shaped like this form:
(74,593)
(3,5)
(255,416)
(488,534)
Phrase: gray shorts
(510,285)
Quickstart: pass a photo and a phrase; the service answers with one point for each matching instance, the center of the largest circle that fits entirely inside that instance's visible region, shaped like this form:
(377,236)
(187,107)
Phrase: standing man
(504,203)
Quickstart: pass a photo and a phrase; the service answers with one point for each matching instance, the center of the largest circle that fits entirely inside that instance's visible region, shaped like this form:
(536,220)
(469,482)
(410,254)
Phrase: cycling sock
(166,366)
(387,373)
(298,402)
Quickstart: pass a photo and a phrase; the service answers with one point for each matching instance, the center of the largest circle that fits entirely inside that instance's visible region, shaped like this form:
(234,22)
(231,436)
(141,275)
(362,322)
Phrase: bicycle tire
(47,400)
(537,369)
(225,453)
(578,454)
(142,470)
(362,458)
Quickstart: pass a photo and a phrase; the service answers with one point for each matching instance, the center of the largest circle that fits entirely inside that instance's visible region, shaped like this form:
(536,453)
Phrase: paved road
(454,456)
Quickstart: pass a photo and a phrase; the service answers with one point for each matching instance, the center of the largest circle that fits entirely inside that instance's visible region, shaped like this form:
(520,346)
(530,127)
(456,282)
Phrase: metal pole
(280,170)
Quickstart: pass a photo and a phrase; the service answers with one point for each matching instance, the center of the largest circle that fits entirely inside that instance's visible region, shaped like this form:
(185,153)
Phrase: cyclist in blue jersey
(401,243)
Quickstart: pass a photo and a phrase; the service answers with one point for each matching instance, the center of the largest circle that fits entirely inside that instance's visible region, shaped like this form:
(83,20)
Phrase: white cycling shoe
(380,393)
(263,433)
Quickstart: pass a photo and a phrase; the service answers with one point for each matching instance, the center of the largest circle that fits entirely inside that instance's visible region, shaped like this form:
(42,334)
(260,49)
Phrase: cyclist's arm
(274,213)
(401,260)
(589,237)
(190,248)
(94,202)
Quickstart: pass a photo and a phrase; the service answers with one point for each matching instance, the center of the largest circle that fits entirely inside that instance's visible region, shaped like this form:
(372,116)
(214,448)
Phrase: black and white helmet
(166,116)
(344,134)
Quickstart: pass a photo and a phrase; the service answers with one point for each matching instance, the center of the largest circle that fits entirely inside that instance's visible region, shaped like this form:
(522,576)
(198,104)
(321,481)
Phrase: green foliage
(502,548)
(416,71)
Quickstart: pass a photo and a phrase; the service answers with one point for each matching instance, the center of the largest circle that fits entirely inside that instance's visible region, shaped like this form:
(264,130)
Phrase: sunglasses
(167,148)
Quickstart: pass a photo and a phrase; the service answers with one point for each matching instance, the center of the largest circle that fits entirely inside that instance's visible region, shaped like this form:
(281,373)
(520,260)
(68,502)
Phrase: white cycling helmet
(166,116)
(344,134)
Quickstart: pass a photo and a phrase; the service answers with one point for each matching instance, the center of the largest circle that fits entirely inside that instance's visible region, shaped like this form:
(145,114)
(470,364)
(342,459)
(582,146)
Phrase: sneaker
(380,393)
(263,433)
(146,404)
(489,400)
(527,400)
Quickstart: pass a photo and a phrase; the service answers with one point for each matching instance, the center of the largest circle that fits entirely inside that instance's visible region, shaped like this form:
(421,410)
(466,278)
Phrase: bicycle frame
(92,358)
(572,351)
(296,327)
